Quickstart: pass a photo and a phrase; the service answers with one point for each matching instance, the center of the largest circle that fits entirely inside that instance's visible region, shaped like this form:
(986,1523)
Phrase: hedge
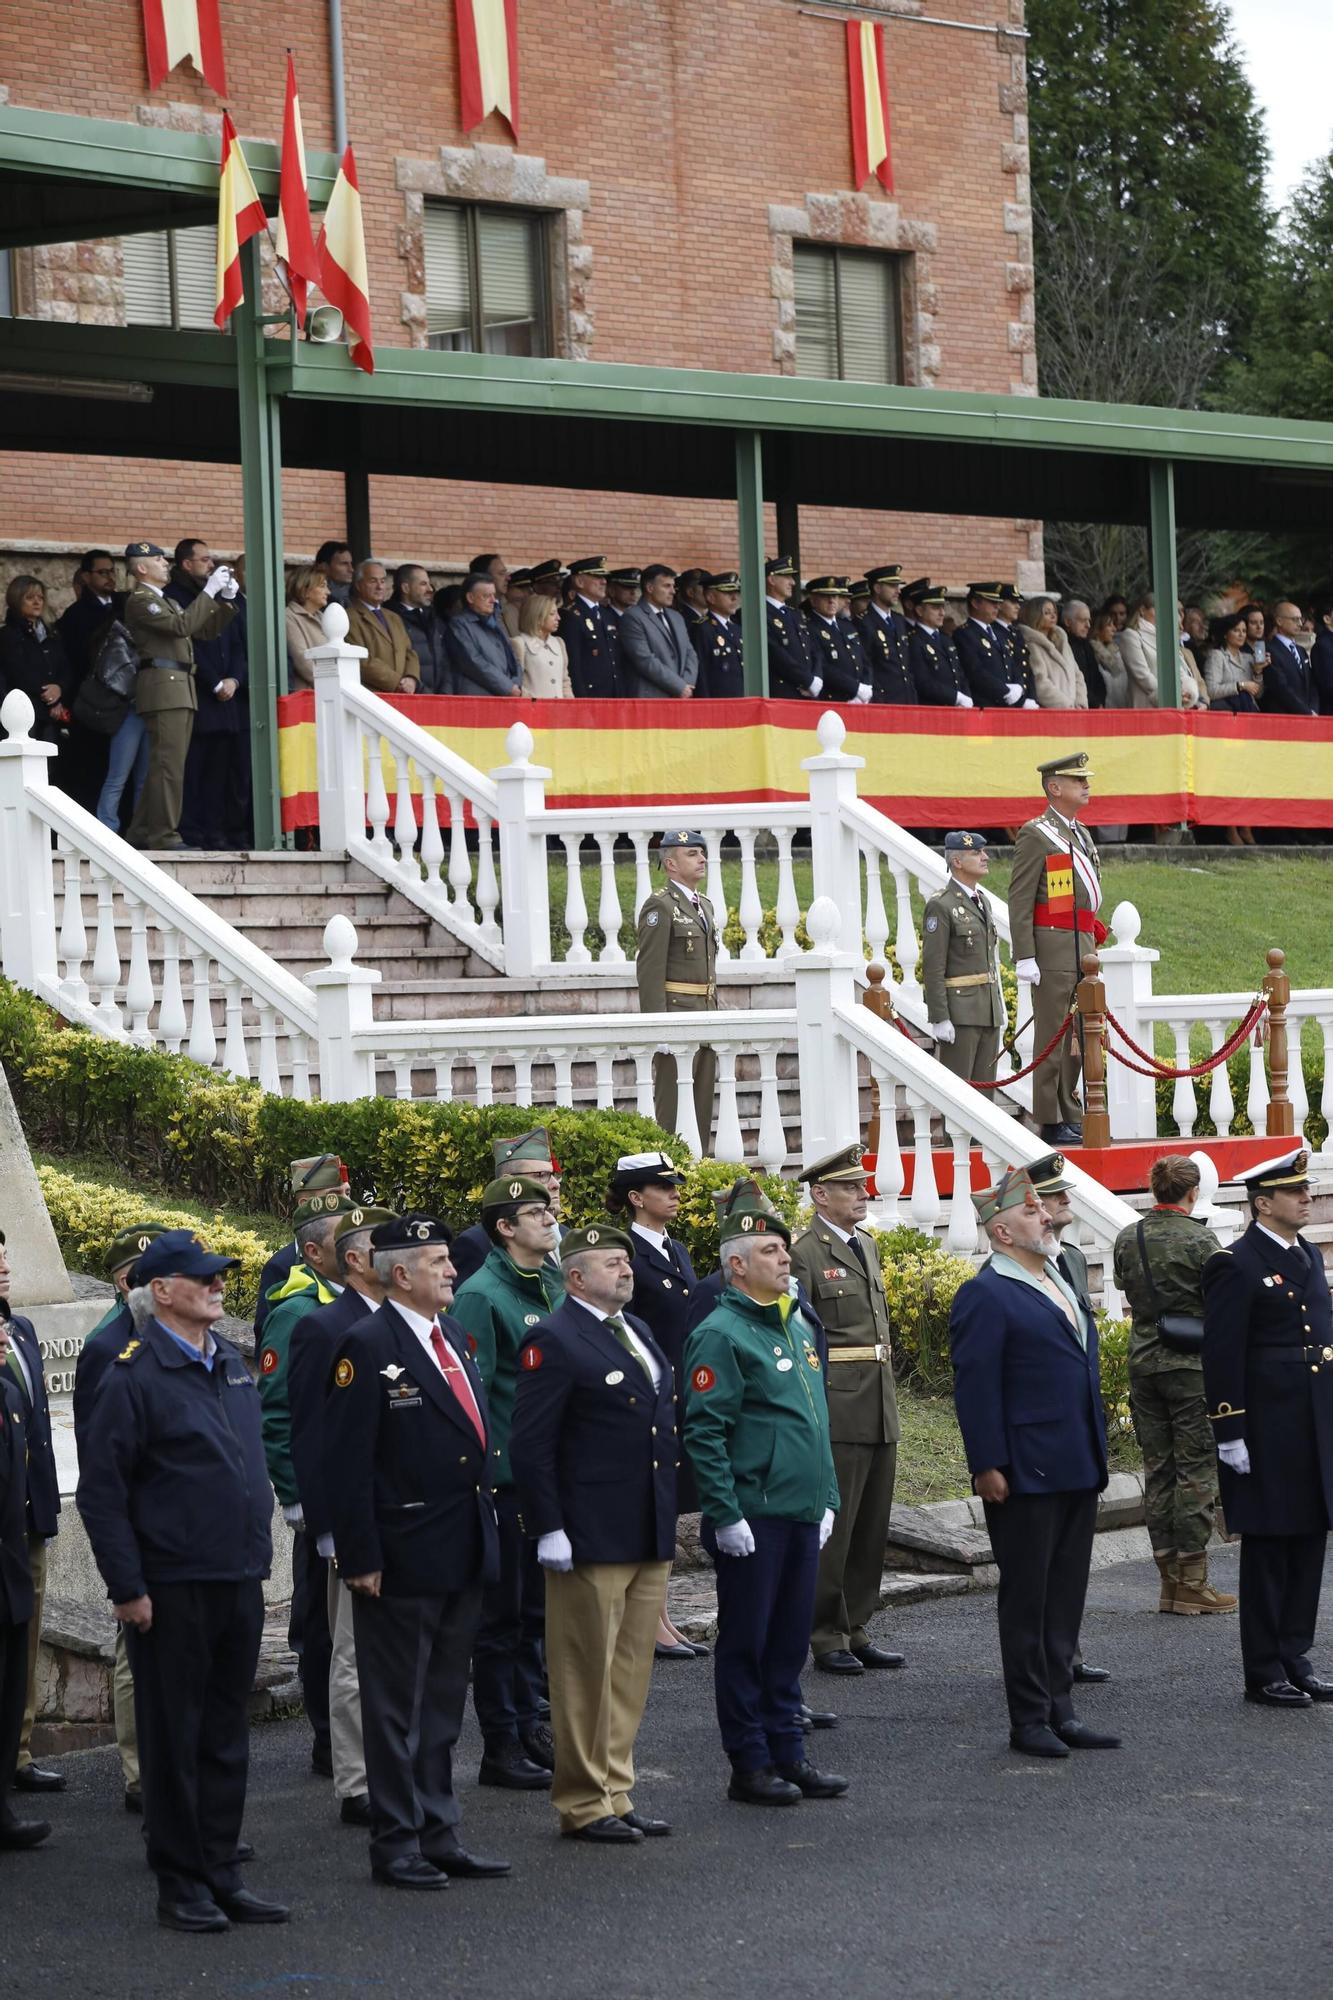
(86,1216)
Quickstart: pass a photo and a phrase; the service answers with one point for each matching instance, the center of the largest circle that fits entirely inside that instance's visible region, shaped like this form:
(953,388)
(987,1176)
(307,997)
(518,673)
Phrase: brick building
(680,196)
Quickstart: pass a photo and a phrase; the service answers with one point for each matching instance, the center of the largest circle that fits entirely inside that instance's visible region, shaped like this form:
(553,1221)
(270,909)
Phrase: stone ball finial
(340,940)
(823,923)
(335,621)
(17,714)
(831,731)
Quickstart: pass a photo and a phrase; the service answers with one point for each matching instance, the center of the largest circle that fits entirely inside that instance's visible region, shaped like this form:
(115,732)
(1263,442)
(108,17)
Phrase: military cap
(885,573)
(749,1212)
(641,1170)
(324,1202)
(135,550)
(844,1165)
(359,1217)
(127,1244)
(723,579)
(671,841)
(1010,594)
(723,1197)
(990,591)
(511,1191)
(410,1232)
(917,589)
(631,578)
(321,1170)
(599,1236)
(521,577)
(827,586)
(178,1253)
(1014,1189)
(1289,1170)
(964,843)
(859,589)
(510,1152)
(933,593)
(588,566)
(546,572)
(780,566)
(1073,764)
(1048,1174)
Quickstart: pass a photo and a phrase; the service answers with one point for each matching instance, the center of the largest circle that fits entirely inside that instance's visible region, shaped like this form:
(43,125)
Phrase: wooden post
(1090,999)
(1277,991)
(876,998)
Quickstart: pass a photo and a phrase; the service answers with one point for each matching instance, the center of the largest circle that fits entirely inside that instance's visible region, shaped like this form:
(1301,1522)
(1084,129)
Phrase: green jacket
(497,1308)
(1178,1248)
(299,1293)
(757,1430)
(115,1307)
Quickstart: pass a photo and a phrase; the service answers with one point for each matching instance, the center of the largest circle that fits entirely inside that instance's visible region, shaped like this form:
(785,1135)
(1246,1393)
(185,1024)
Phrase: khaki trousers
(972,1054)
(851,1563)
(37,1563)
(601,1626)
(1055,1085)
(127,1734)
(157,816)
(349,1758)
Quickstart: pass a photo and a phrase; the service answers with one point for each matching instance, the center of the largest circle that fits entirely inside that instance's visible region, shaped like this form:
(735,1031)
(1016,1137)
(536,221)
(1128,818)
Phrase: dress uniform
(717,639)
(174,1494)
(676,972)
(664,1277)
(594,1451)
(688,580)
(16,1607)
(24,1367)
(839,1268)
(315,1175)
(757,1431)
(406,1466)
(839,660)
(793,671)
(1010,632)
(164,690)
(960,972)
(591,638)
(985,657)
(937,675)
(1268,1378)
(884,642)
(1055,889)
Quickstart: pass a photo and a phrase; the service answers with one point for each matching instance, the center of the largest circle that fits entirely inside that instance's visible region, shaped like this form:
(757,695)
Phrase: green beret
(511,1191)
(126,1245)
(358,1217)
(600,1236)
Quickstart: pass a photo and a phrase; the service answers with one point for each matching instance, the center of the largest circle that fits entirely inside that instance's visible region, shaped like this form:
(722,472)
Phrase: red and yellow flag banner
(868,93)
(487,61)
(296,238)
(924,767)
(177,31)
(240,216)
(343,275)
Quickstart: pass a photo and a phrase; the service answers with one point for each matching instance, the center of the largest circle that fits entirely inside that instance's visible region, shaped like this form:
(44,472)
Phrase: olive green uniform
(962,981)
(863,1425)
(1166,1392)
(676,970)
(1057,950)
(164,695)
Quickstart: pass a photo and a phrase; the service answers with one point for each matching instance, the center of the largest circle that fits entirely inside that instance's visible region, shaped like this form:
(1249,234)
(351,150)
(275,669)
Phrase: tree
(1288,371)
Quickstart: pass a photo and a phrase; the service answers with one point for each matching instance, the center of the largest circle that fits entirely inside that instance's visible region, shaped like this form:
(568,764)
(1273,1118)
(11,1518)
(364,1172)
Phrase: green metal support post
(261,494)
(1165,584)
(750,512)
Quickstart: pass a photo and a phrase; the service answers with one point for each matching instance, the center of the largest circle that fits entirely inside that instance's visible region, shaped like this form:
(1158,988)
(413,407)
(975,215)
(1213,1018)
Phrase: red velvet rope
(1163,1070)
(1015,1076)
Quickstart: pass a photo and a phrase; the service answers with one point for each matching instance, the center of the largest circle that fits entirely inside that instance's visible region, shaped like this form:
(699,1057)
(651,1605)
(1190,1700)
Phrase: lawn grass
(931,1462)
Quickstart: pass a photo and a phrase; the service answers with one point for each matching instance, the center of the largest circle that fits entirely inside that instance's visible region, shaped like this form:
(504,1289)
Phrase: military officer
(676,971)
(164,690)
(937,675)
(1055,888)
(624,587)
(717,638)
(757,1431)
(1009,628)
(547,578)
(838,1265)
(594,1451)
(839,662)
(985,657)
(793,671)
(529,1153)
(964,1002)
(690,600)
(1268,1377)
(590,633)
(24,1365)
(316,1175)
(16,1605)
(883,632)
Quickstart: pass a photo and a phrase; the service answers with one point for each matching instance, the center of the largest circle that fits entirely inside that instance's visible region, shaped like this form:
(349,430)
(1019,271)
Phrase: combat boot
(1166,1565)
(1194,1595)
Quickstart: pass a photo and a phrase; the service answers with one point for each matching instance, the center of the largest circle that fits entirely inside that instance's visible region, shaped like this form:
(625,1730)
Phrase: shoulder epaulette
(128,1352)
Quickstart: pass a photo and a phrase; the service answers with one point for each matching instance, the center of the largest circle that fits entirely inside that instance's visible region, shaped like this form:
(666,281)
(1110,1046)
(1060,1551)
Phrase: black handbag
(105,695)
(1181,1332)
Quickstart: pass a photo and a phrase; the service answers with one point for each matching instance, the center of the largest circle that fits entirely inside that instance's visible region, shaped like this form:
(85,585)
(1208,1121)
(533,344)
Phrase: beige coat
(1055,671)
(389,650)
(1138,650)
(304,633)
(545,665)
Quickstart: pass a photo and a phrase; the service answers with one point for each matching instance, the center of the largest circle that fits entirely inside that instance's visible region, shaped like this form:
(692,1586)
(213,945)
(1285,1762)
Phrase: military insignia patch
(615,1378)
(812,1357)
(652,918)
(532,1319)
(421,1231)
(356,1215)
(393,1371)
(592,1236)
(747,1223)
(703,1379)
(785,1365)
(472,1343)
(127,1352)
(531,1359)
(343,1374)
(515,1190)
(932,923)
(155,610)
(269,1362)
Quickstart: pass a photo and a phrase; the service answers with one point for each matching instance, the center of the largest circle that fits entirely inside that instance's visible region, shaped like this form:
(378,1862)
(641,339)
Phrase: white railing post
(27,877)
(1127,967)
(520,793)
(835,858)
(342,792)
(343,1011)
(825,979)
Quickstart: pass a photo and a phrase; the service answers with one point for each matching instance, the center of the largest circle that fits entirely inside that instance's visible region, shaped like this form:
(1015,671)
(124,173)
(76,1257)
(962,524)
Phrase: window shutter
(507,258)
(147,279)
(196,277)
(448,284)
(816,312)
(867,297)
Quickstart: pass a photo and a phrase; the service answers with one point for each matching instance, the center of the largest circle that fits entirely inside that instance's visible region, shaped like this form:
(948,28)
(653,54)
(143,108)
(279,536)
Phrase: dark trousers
(765,1608)
(308,1632)
(1043,1545)
(1280,1577)
(411,1660)
(507,1670)
(13,1695)
(852,1564)
(216,810)
(193,1671)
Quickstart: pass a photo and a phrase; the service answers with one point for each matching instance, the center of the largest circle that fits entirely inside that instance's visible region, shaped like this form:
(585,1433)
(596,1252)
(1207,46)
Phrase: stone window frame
(496,175)
(856,222)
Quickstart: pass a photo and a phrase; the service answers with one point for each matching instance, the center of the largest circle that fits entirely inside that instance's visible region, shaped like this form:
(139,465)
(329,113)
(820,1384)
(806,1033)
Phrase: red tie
(457,1380)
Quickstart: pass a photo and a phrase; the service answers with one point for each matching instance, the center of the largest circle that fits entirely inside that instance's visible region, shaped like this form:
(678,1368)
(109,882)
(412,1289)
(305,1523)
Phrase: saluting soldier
(840,662)
(1009,629)
(164,690)
(884,636)
(1055,889)
(717,638)
(793,671)
(936,673)
(839,1266)
(1268,1376)
(959,969)
(589,631)
(676,971)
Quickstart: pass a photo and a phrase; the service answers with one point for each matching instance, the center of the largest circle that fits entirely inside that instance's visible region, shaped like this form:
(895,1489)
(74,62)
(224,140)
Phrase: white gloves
(217,583)
(1013,693)
(963,701)
(826,1526)
(1028,970)
(943,1031)
(294,1515)
(1236,1455)
(864,690)
(555,1551)
(817,685)
(736,1540)
(1030,703)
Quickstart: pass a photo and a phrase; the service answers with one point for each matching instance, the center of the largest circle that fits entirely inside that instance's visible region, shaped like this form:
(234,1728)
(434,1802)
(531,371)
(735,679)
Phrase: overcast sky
(1288,50)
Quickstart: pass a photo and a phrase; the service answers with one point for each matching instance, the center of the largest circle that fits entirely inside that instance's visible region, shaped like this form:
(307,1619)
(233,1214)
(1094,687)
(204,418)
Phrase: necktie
(457,1381)
(16,1370)
(854,1246)
(620,1331)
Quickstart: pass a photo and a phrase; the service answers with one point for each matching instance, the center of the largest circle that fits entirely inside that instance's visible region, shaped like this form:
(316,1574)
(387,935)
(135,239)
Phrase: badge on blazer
(616,1376)
(393,1371)
(666,1284)
(532,1319)
(812,1357)
(269,1362)
(785,1364)
(530,1358)
(702,1379)
(343,1373)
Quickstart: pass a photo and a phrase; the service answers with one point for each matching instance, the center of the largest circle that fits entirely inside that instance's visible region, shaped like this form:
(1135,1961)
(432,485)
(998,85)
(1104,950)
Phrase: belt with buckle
(970,979)
(705,991)
(879,1352)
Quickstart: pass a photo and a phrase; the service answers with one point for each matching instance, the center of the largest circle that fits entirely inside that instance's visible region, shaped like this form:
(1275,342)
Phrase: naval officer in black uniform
(936,672)
(717,639)
(793,671)
(838,656)
(883,632)
(590,633)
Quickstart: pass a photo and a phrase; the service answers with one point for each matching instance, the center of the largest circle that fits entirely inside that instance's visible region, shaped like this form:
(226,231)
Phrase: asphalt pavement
(1192,1862)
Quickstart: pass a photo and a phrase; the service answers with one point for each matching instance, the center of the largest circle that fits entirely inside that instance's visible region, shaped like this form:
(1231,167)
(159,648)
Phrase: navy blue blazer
(936,674)
(791,663)
(1028,1395)
(594,1447)
(96,1355)
(311,1353)
(1321,668)
(16,1600)
(43,1479)
(1285,687)
(985,661)
(838,658)
(592,641)
(885,649)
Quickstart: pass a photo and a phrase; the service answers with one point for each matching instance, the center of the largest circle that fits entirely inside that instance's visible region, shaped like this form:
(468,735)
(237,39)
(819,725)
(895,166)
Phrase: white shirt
(657,1237)
(777,602)
(844,1235)
(422,1327)
(1281,1241)
(638,1346)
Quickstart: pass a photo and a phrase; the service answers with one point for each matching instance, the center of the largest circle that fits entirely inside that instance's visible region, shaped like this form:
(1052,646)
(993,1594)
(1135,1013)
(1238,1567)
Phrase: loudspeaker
(324,324)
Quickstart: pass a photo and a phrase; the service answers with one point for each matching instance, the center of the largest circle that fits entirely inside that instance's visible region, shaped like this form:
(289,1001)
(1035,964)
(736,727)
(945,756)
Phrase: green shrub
(1113,1349)
(87,1215)
(920,1280)
(696,1223)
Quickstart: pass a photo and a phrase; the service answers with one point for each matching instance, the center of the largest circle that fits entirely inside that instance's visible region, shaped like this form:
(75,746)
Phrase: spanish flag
(240,216)
(869,104)
(343,277)
(296,238)
(177,31)
(488,60)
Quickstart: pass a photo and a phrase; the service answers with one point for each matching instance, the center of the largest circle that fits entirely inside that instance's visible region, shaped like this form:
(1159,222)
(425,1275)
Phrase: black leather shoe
(1316,1689)
(539,1745)
(838,1662)
(1090,1675)
(607,1832)
(28,1778)
(810,1783)
(513,1771)
(877,1656)
(816,1718)
(651,1829)
(201,1915)
(1037,1741)
(1279,1694)
(762,1788)
(1050,1134)
(244,1851)
(23,1832)
(134,1800)
(699,1652)
(321,1761)
(1079,1737)
(673,1652)
(244,1907)
(456,1861)
(409,1871)
(356,1810)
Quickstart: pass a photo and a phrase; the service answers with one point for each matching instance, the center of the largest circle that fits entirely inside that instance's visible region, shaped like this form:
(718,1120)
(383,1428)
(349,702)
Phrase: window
(486,280)
(171,278)
(848,314)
